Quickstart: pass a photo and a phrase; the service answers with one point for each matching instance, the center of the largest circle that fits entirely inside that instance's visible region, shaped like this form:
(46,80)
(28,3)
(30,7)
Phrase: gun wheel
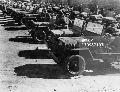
(40,36)
(75,65)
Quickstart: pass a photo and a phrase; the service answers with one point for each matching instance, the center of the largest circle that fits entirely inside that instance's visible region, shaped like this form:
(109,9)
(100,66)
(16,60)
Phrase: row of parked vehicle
(74,42)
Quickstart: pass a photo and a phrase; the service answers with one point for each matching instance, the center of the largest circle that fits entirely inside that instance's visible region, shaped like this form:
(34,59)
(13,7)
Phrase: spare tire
(75,65)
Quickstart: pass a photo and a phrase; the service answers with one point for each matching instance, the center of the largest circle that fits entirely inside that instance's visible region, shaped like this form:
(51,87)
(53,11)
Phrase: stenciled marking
(93,44)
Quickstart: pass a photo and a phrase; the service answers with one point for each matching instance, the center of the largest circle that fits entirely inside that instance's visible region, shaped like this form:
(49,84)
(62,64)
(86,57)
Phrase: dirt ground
(25,69)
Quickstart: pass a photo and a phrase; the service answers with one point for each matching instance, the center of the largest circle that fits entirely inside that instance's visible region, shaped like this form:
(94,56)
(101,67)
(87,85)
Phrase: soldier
(80,8)
(102,12)
(47,17)
(72,15)
(66,19)
(59,21)
(41,16)
(43,13)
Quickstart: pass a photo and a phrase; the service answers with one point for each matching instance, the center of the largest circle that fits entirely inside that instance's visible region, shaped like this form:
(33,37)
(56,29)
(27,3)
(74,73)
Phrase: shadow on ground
(54,71)
(2,22)
(25,39)
(15,28)
(45,71)
(10,23)
(34,54)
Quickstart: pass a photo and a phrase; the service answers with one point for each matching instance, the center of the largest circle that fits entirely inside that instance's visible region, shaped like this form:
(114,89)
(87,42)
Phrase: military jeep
(70,52)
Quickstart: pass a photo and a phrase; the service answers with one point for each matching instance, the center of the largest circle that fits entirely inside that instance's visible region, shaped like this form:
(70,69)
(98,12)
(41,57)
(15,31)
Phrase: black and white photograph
(59,45)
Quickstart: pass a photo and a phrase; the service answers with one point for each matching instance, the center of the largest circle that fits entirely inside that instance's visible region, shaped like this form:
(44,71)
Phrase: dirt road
(24,69)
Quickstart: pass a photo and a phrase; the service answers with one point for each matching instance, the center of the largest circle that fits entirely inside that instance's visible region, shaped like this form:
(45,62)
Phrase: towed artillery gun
(22,16)
(29,19)
(75,54)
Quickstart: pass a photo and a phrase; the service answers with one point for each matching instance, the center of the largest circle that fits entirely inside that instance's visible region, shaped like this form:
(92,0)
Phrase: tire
(40,36)
(75,65)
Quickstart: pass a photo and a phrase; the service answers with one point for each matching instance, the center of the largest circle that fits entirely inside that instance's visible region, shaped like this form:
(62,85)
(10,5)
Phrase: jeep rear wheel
(75,65)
